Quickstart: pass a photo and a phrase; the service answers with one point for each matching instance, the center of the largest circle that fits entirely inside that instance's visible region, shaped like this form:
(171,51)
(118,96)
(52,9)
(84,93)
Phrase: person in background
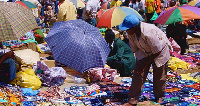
(90,11)
(141,7)
(178,32)
(115,3)
(158,6)
(56,2)
(134,4)
(121,56)
(151,47)
(150,9)
(162,5)
(50,16)
(67,11)
(125,3)
(7,64)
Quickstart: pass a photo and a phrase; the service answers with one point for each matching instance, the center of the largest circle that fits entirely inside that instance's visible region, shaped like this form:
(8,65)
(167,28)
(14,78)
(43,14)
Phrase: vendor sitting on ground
(7,64)
(121,56)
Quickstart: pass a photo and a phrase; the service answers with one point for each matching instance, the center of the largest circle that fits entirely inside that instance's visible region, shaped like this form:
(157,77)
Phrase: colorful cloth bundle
(175,63)
(98,74)
(51,76)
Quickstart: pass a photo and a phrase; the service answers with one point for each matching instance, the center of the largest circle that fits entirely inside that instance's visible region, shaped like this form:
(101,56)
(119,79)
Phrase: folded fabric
(175,63)
(44,48)
(97,74)
(51,76)
(195,74)
(29,92)
(29,35)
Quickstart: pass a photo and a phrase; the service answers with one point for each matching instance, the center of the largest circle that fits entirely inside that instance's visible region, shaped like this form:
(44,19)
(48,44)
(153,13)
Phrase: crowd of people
(147,44)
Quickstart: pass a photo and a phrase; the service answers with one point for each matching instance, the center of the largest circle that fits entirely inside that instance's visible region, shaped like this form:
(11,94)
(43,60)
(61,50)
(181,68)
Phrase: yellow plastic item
(175,63)
(27,79)
(30,72)
(106,66)
(38,49)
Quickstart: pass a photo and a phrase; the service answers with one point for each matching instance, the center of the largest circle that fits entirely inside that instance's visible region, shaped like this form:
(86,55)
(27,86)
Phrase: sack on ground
(27,79)
(27,57)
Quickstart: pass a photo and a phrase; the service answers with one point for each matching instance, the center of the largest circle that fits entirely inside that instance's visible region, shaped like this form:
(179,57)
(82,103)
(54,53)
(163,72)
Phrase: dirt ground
(71,73)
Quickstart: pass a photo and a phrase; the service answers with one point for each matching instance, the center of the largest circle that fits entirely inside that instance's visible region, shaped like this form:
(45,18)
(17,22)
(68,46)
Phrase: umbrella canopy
(177,14)
(197,5)
(105,5)
(78,45)
(27,4)
(78,3)
(100,13)
(15,21)
(115,16)
(193,2)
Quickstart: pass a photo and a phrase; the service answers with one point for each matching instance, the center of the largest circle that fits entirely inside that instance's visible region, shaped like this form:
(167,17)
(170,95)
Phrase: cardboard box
(50,63)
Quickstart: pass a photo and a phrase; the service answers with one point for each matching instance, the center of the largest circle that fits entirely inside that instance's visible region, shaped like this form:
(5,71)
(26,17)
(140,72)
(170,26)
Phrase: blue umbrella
(78,45)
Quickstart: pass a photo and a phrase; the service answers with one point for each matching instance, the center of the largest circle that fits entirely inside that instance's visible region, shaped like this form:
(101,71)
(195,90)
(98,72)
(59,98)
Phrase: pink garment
(97,74)
(175,46)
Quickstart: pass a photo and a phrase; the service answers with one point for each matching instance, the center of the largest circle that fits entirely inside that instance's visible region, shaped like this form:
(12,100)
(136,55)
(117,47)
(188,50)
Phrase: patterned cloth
(52,76)
(97,74)
(15,21)
(78,45)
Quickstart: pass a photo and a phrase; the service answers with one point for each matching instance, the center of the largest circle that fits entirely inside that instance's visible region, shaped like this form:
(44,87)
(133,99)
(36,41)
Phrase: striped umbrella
(27,4)
(178,14)
(105,5)
(15,21)
(194,2)
(115,16)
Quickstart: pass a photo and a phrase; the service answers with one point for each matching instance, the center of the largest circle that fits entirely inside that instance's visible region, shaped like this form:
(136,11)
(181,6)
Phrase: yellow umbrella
(193,2)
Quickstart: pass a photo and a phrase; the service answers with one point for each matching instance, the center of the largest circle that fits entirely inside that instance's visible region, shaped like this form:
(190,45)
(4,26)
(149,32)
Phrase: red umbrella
(21,3)
(105,5)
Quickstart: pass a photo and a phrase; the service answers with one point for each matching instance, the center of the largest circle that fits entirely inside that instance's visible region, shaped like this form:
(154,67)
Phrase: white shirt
(151,41)
(92,6)
(4,0)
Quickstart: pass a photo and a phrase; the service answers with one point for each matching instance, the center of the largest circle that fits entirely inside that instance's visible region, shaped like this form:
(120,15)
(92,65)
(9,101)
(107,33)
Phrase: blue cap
(129,22)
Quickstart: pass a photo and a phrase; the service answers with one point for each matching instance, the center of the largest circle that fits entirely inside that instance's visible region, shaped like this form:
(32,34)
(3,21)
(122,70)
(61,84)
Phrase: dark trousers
(182,43)
(119,65)
(148,17)
(138,80)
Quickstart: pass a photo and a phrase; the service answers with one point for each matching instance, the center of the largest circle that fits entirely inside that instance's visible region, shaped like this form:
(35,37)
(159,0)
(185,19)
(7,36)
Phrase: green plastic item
(192,105)
(39,31)
(29,41)
(39,71)
(171,99)
(102,30)
(155,16)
